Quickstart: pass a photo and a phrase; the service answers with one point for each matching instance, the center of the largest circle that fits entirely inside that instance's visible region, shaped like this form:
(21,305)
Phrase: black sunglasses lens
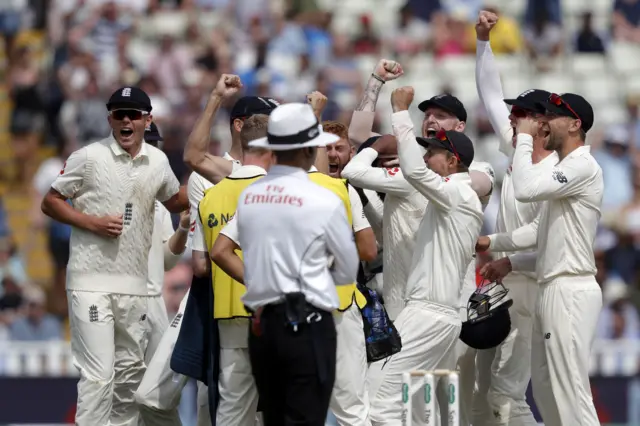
(120,114)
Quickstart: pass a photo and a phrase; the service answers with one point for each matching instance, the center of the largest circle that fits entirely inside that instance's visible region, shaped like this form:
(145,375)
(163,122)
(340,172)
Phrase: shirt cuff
(401,118)
(524,138)
(369,154)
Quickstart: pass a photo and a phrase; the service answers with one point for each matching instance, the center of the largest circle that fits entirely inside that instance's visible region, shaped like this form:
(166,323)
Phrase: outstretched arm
(489,85)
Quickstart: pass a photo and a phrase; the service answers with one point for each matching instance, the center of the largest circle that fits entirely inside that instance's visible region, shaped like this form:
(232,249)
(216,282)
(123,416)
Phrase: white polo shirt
(290,229)
(565,229)
(162,232)
(446,237)
(102,179)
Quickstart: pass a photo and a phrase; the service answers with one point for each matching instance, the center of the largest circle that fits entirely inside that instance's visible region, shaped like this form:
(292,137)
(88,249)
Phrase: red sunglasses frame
(557,100)
(442,135)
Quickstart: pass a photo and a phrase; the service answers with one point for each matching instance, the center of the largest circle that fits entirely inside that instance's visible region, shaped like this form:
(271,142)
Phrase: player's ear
(575,125)
(237,124)
(460,126)
(148,121)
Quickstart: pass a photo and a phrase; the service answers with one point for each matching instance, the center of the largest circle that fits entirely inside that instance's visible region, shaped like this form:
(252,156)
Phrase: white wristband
(183,229)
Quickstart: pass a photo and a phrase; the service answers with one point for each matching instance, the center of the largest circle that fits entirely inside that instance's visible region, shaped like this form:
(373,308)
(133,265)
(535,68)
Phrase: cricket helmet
(488,321)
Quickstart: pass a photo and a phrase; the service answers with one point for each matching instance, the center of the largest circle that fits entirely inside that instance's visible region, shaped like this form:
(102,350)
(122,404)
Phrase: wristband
(180,228)
(378,78)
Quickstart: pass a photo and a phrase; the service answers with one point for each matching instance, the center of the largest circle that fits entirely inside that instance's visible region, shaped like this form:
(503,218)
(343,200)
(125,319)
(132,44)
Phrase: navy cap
(454,142)
(247,106)
(530,100)
(129,97)
(446,102)
(570,105)
(152,134)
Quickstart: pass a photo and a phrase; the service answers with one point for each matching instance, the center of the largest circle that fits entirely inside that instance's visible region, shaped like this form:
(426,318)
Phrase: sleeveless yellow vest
(217,208)
(346,293)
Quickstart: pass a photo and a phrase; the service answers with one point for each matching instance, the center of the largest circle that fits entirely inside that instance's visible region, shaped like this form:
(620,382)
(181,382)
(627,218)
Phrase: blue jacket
(197,349)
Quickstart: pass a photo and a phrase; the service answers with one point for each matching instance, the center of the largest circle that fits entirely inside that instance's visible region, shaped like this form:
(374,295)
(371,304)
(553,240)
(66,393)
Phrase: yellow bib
(217,208)
(339,187)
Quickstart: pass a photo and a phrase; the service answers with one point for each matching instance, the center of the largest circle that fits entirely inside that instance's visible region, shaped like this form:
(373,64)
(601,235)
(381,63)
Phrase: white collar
(118,151)
(248,171)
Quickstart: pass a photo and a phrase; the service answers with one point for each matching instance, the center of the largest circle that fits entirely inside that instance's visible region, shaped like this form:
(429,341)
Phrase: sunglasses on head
(558,101)
(442,136)
(133,114)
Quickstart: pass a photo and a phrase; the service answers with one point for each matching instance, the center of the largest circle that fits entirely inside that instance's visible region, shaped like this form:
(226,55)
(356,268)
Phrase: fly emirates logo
(274,195)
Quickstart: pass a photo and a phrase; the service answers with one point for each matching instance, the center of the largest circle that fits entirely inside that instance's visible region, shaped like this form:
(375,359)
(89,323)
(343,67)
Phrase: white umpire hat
(293,126)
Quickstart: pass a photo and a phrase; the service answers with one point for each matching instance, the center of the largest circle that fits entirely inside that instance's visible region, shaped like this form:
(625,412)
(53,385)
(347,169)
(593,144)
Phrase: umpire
(297,246)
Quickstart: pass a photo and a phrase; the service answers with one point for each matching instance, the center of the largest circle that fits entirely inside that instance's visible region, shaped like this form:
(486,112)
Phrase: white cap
(618,134)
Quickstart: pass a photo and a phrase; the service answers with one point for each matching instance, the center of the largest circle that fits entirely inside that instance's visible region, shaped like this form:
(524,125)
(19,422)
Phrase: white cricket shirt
(102,179)
(512,213)
(446,238)
(565,229)
(162,232)
(290,229)
(403,210)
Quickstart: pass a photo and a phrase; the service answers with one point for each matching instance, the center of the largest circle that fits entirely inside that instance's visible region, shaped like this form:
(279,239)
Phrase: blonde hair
(254,127)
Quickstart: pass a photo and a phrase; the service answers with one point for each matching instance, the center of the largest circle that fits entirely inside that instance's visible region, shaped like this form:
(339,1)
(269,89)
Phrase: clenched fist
(401,98)
(317,101)
(227,86)
(388,70)
(528,125)
(484,25)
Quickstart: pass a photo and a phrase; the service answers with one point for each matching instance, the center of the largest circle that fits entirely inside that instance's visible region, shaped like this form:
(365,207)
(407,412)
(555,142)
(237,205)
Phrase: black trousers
(294,370)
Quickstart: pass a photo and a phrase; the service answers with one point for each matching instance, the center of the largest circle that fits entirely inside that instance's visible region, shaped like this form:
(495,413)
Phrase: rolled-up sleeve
(414,169)
(341,245)
(231,230)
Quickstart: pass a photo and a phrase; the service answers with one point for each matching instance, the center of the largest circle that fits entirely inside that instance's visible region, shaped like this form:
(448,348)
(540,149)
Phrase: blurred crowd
(62,58)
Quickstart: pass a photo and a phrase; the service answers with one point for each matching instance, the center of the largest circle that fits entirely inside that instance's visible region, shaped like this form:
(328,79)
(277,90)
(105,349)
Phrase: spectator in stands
(58,233)
(410,37)
(4,225)
(11,298)
(449,39)
(544,38)
(505,36)
(626,20)
(588,40)
(552,8)
(168,67)
(11,264)
(366,42)
(619,319)
(36,324)
(617,168)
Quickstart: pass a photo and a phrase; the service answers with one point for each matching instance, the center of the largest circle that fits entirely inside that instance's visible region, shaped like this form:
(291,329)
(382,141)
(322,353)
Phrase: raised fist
(388,70)
(401,98)
(317,101)
(227,86)
(484,25)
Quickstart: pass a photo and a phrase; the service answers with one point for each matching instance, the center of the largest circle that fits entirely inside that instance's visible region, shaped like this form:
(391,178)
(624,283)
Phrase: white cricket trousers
(567,310)
(503,372)
(350,397)
(159,393)
(108,340)
(238,403)
(429,333)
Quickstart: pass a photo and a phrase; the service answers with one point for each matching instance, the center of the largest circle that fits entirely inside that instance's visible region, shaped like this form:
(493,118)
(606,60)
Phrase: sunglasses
(442,136)
(133,114)
(559,102)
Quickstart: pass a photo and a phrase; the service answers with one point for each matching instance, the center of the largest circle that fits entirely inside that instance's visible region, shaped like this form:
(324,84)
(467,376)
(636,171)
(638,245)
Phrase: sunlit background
(60,60)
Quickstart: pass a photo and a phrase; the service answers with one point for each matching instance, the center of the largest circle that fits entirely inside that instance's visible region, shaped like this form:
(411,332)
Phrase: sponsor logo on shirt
(128,213)
(212,220)
(275,195)
(176,321)
(392,171)
(445,179)
(559,177)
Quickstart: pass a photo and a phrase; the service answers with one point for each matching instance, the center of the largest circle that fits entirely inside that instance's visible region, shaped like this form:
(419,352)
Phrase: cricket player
(503,373)
(113,185)
(404,206)
(569,298)
(429,324)
(238,395)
